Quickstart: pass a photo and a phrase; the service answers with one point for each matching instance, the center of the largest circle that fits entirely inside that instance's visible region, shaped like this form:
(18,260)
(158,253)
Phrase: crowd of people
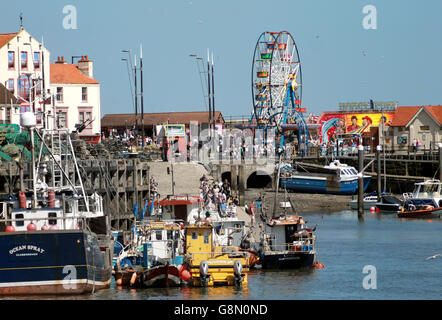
(218,196)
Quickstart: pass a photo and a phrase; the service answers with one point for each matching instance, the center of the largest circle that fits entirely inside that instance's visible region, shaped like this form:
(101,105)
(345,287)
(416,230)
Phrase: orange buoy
(119,281)
(45,227)
(31,227)
(51,199)
(185,275)
(372,209)
(10,229)
(133,278)
(53,227)
(22,199)
(319,265)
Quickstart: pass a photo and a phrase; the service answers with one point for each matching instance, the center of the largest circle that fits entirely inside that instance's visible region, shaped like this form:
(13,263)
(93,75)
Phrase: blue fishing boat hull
(52,262)
(323,186)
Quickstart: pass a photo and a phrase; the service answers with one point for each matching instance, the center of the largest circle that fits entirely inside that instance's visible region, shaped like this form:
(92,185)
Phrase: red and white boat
(425,212)
(160,276)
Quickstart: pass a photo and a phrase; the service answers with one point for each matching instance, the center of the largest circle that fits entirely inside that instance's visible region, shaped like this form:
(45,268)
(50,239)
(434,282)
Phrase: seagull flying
(433,257)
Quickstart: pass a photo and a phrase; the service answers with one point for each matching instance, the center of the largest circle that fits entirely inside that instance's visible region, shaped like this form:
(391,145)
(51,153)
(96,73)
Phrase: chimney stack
(60,60)
(86,66)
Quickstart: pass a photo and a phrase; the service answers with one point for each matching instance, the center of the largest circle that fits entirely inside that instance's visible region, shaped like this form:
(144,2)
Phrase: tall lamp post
(134,68)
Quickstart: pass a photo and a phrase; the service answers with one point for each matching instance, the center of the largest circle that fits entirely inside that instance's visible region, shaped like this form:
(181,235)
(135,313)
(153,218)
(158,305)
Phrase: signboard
(350,123)
(175,130)
(365,106)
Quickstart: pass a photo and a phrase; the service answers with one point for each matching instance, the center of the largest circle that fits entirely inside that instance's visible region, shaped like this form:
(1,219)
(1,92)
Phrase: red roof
(119,120)
(6,37)
(436,112)
(403,115)
(69,74)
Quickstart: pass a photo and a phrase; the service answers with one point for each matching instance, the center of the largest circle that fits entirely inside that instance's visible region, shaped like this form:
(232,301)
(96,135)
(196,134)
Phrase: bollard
(360,181)
(378,158)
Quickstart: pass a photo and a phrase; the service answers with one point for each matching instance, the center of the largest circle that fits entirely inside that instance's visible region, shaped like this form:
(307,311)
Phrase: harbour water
(396,248)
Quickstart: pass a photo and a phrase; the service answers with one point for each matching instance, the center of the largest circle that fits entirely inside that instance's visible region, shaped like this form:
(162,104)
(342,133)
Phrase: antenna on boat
(29,121)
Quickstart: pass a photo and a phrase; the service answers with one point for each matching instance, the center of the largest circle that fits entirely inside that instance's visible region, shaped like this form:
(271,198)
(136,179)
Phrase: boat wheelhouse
(425,193)
(287,243)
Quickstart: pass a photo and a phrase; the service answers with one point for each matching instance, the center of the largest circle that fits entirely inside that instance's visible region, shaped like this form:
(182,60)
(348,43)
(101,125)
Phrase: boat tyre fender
(204,269)
(237,268)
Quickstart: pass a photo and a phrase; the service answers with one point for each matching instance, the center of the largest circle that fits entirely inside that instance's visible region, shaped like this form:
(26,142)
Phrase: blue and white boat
(54,239)
(335,178)
(425,193)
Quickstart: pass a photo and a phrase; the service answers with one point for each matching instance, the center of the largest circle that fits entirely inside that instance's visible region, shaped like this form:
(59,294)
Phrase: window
(24,60)
(159,235)
(23,87)
(425,128)
(52,215)
(59,95)
(11,85)
(85,115)
(84,94)
(206,237)
(36,60)
(38,116)
(38,88)
(194,235)
(61,119)
(8,115)
(19,223)
(11,59)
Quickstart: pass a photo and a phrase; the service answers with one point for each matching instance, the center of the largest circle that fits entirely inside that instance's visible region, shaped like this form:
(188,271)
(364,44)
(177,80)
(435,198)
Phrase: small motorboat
(424,212)
(389,204)
(369,201)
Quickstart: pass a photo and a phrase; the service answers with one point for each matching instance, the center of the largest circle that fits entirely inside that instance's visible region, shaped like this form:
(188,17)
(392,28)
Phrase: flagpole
(209,94)
(142,97)
(213,98)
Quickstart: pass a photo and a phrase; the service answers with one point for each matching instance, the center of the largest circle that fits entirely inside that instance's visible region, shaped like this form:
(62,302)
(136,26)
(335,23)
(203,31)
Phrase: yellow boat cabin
(210,264)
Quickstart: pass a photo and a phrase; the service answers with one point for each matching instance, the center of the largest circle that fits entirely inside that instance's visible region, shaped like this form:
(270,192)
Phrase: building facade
(61,95)
(420,123)
(24,71)
(76,97)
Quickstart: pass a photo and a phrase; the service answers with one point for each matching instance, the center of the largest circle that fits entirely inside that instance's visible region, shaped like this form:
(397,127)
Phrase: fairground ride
(277,88)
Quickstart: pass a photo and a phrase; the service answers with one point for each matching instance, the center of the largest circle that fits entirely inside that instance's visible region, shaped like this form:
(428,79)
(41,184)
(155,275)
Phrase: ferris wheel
(277,84)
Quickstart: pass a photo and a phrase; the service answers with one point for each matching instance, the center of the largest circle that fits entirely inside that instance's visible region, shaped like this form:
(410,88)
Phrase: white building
(23,72)
(72,94)
(77,96)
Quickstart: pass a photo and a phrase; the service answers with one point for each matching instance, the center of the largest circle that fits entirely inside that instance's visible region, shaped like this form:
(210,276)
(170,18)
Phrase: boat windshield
(427,190)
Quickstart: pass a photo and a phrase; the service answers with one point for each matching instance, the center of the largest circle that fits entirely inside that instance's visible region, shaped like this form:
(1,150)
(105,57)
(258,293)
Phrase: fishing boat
(54,239)
(420,211)
(335,178)
(154,256)
(210,264)
(287,243)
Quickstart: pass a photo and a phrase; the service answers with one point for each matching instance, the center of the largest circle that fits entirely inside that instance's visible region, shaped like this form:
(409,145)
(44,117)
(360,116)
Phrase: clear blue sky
(402,61)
